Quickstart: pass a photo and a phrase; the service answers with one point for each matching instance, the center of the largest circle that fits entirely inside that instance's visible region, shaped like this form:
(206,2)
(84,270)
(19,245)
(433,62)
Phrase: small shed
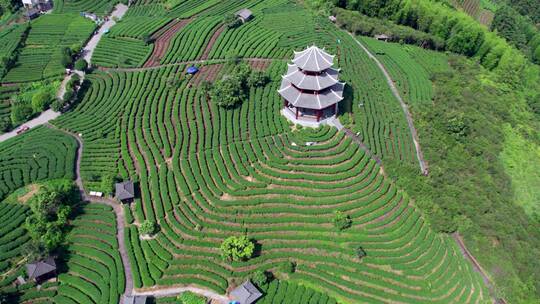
(246,293)
(42,270)
(382,37)
(45,6)
(134,300)
(244,14)
(31,14)
(332,18)
(192,70)
(125,191)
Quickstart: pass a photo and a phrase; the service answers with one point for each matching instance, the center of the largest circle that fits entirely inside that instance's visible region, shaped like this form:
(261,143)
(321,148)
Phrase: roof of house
(321,100)
(134,300)
(326,79)
(125,190)
(313,59)
(31,12)
(244,13)
(246,293)
(382,36)
(39,268)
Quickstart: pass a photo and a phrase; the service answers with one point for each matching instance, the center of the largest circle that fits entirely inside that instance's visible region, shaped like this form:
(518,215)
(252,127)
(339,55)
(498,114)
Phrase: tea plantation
(204,173)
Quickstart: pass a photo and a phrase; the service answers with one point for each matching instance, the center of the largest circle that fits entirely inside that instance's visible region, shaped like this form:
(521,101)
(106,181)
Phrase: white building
(38,4)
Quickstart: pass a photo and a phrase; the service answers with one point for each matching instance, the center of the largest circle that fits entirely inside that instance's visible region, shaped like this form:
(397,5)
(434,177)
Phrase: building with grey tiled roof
(311,89)
(246,293)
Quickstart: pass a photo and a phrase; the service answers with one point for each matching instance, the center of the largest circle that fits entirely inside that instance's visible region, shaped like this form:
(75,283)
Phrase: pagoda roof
(318,101)
(313,59)
(326,79)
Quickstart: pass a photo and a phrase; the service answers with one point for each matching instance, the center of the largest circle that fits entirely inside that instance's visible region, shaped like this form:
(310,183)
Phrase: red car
(23,129)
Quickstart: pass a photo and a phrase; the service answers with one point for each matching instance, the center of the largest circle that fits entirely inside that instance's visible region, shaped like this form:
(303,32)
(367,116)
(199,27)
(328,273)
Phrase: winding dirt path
(419,155)
(468,255)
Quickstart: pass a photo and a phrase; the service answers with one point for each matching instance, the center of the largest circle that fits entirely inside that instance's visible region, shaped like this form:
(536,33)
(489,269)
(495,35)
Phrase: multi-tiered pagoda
(311,89)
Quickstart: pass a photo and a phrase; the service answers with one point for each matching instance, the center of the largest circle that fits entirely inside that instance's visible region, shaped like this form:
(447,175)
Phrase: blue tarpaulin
(192,70)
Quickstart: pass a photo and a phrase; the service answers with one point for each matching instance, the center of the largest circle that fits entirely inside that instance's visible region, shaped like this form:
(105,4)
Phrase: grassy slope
(521,161)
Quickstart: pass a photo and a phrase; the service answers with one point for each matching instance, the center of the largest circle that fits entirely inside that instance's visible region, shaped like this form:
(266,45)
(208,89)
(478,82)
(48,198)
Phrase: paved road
(43,118)
(88,50)
(423,166)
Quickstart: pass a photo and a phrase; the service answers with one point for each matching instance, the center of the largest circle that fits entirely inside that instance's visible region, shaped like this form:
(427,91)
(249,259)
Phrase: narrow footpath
(419,155)
(476,266)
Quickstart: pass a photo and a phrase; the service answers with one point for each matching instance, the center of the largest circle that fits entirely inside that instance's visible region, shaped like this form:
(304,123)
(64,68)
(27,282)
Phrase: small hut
(382,37)
(32,13)
(244,14)
(125,191)
(41,271)
(332,18)
(246,293)
(134,300)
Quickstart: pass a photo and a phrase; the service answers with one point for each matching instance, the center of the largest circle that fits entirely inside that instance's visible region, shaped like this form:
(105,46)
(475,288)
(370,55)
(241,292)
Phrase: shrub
(81,65)
(287,267)
(107,183)
(5,124)
(342,221)
(236,248)
(360,252)
(260,278)
(257,79)
(40,101)
(58,104)
(189,297)
(68,95)
(228,92)
(148,228)
(20,113)
(232,21)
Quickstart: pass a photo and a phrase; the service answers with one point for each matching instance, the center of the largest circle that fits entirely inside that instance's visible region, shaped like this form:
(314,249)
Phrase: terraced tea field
(206,173)
(37,155)
(40,58)
(96,274)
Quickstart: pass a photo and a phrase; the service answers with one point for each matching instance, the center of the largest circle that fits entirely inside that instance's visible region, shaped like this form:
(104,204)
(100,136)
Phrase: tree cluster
(232,21)
(233,88)
(148,228)
(51,208)
(360,24)
(461,33)
(517,30)
(237,248)
(31,99)
(341,220)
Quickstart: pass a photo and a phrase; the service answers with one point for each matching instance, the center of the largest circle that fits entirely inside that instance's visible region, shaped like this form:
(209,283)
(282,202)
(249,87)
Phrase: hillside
(420,190)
